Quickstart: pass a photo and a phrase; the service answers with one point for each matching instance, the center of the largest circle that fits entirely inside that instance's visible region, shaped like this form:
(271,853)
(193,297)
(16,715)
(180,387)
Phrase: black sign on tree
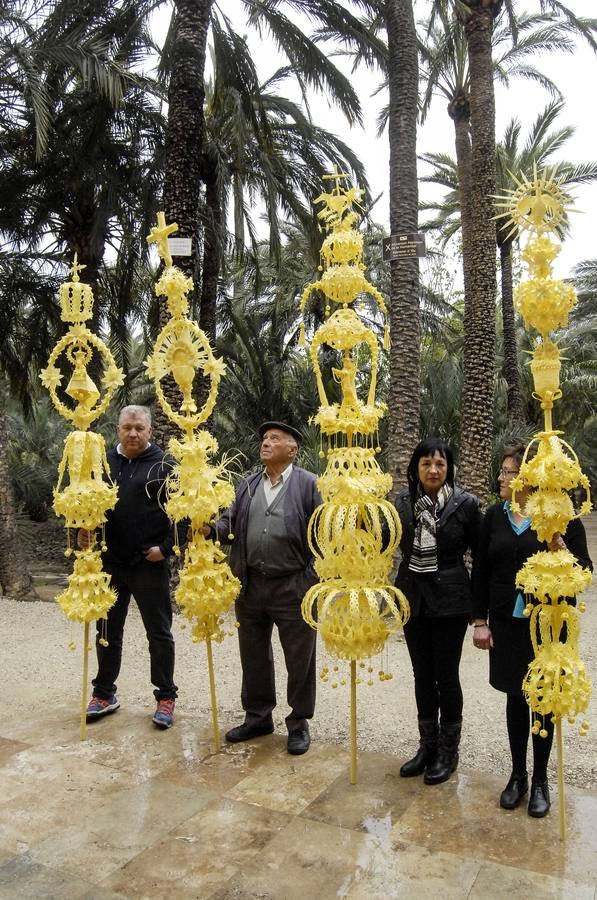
(404,246)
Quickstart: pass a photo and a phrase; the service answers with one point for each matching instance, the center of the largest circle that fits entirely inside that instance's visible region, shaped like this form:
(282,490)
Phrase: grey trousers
(267,602)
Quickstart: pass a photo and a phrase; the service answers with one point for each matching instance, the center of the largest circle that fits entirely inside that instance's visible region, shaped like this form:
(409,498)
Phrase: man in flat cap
(271,557)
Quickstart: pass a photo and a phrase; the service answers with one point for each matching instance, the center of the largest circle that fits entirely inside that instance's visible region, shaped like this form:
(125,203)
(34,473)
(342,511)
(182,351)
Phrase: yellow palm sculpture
(556,683)
(355,531)
(198,489)
(84,492)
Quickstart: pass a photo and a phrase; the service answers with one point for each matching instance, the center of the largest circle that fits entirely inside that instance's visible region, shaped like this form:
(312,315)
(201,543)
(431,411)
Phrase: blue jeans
(148,583)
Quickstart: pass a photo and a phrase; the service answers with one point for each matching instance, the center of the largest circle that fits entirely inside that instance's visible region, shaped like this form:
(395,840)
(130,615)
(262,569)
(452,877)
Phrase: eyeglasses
(508,473)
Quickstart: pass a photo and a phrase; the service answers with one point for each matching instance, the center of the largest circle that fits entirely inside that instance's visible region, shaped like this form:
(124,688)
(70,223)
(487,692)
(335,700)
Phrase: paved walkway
(134,812)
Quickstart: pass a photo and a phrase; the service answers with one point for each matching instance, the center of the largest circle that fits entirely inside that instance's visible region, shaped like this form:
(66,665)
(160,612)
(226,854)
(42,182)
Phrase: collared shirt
(122,453)
(271,488)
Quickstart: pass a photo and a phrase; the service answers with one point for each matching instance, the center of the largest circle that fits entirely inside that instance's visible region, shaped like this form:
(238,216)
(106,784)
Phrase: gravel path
(34,650)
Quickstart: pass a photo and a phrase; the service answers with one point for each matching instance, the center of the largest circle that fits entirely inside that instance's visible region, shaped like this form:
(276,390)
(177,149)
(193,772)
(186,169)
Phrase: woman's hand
(482,638)
(557,542)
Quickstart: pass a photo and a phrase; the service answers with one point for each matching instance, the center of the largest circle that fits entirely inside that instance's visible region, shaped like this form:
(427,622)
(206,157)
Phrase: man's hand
(85,539)
(154,554)
(482,638)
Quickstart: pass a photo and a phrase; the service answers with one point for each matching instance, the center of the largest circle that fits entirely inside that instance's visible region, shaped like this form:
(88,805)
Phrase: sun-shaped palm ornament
(538,204)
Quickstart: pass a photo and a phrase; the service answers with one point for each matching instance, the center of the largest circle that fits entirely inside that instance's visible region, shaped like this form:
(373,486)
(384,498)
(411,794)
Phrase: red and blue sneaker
(164,714)
(100,706)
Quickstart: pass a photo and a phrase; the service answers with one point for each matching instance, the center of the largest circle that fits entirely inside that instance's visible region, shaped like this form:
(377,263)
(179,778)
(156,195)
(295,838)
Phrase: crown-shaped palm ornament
(198,489)
(556,684)
(355,531)
(84,492)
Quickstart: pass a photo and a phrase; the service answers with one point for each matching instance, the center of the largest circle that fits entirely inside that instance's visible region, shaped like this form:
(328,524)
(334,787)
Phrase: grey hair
(135,410)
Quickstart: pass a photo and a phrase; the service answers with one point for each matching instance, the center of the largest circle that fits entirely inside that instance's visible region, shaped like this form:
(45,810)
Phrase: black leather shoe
(539,801)
(514,791)
(299,741)
(246,732)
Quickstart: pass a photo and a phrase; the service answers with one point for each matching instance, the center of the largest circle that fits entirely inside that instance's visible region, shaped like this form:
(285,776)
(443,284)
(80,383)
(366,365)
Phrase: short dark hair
(515,451)
(428,447)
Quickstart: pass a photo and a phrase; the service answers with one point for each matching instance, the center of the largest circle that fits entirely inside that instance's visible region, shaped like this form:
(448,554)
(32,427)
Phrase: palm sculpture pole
(197,490)
(556,683)
(84,492)
(355,531)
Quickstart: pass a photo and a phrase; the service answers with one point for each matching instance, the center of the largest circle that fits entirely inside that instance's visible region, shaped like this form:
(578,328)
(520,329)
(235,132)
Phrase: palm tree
(189,165)
(404,403)
(267,375)
(28,326)
(513,158)
(82,133)
(479,233)
(271,155)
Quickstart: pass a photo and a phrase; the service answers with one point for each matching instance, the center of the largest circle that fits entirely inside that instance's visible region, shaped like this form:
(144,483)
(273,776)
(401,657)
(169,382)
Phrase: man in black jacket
(139,539)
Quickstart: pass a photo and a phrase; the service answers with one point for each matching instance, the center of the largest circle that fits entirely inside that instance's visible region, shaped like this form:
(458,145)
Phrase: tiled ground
(134,812)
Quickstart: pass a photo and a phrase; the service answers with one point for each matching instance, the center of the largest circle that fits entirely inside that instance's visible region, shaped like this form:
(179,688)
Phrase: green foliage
(35,448)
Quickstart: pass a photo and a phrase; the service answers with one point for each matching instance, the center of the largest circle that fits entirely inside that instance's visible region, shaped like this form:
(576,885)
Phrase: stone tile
(414,873)
(22,877)
(495,881)
(128,823)
(374,803)
(42,792)
(9,747)
(223,770)
(463,817)
(290,783)
(201,855)
(307,859)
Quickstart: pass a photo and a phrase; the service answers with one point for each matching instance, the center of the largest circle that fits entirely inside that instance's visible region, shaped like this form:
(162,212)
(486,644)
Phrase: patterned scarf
(424,552)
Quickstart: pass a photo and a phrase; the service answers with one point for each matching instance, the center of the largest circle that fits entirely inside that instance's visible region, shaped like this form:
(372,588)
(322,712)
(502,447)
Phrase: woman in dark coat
(440,523)
(499,626)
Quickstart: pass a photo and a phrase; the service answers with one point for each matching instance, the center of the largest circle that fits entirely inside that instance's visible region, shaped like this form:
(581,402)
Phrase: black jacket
(138,520)
(502,553)
(446,592)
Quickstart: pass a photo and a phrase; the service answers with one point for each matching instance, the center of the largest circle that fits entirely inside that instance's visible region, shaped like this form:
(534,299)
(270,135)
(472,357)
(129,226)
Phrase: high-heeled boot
(447,753)
(425,755)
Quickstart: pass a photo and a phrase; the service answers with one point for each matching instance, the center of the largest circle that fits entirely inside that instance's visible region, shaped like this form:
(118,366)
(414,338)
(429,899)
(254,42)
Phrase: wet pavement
(136,812)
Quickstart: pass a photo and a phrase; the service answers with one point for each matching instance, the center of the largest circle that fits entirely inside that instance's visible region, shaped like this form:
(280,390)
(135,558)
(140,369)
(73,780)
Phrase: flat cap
(281,426)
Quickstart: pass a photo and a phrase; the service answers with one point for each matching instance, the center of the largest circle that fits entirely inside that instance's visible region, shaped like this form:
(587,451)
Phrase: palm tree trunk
(511,373)
(15,580)
(459,111)
(212,256)
(404,394)
(479,320)
(184,152)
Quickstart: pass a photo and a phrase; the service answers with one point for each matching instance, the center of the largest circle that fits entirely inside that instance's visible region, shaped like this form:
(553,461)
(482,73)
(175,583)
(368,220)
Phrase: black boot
(514,791)
(447,754)
(539,801)
(429,731)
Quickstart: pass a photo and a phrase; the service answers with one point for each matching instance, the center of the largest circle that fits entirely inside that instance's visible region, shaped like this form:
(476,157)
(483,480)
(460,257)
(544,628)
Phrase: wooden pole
(353,721)
(212,693)
(85,676)
(561,778)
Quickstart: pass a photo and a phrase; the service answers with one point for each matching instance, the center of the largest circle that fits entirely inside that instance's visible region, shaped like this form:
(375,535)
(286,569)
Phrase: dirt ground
(37,664)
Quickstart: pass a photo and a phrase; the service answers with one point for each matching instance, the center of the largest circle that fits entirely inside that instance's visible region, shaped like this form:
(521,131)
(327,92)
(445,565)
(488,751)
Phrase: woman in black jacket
(499,626)
(440,523)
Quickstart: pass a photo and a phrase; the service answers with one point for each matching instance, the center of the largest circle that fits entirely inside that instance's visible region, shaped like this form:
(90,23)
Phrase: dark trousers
(148,583)
(268,602)
(518,720)
(435,647)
